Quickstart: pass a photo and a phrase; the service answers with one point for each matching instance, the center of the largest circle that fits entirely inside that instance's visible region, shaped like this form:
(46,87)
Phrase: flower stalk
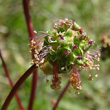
(75,71)
(10,81)
(61,95)
(31,34)
(17,86)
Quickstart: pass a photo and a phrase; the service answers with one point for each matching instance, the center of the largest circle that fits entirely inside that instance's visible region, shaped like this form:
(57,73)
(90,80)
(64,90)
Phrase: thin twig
(31,34)
(11,83)
(17,85)
(61,95)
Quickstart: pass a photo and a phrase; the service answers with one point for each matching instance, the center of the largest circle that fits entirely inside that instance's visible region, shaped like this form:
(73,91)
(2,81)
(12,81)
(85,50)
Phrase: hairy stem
(61,95)
(11,83)
(17,85)
(31,34)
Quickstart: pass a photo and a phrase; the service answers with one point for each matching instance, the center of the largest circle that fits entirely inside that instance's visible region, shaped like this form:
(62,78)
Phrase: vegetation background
(92,15)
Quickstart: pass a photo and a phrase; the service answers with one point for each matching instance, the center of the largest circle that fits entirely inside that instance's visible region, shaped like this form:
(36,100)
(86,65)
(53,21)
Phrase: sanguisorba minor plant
(65,49)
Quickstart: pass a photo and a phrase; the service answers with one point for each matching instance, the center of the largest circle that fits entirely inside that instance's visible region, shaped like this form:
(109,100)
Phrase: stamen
(67,53)
(96,75)
(75,79)
(75,47)
(90,77)
(56,81)
(61,37)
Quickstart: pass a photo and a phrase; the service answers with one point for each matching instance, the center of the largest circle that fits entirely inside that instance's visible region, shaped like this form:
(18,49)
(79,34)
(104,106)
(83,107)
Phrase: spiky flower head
(65,48)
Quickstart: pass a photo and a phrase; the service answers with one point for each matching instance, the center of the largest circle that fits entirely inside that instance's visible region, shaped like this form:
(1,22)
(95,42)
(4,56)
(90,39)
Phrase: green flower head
(64,47)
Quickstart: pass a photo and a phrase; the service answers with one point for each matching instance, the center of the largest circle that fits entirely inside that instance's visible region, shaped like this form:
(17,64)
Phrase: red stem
(33,90)
(28,18)
(31,34)
(55,69)
(75,70)
(61,95)
(11,83)
(17,85)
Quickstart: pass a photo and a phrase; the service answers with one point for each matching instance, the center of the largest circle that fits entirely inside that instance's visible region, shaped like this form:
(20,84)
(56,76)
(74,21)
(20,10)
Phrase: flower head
(65,48)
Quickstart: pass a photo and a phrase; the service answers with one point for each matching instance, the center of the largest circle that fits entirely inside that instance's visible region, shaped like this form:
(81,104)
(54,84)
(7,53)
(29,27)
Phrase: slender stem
(31,34)
(33,90)
(11,83)
(61,95)
(28,18)
(75,70)
(17,85)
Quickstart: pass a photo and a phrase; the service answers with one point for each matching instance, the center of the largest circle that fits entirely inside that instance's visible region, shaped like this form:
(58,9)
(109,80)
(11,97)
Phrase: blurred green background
(92,15)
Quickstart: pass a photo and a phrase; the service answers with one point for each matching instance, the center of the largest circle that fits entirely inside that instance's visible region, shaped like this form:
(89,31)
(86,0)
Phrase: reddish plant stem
(31,34)
(17,86)
(28,18)
(55,69)
(61,95)
(33,90)
(75,70)
(11,83)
